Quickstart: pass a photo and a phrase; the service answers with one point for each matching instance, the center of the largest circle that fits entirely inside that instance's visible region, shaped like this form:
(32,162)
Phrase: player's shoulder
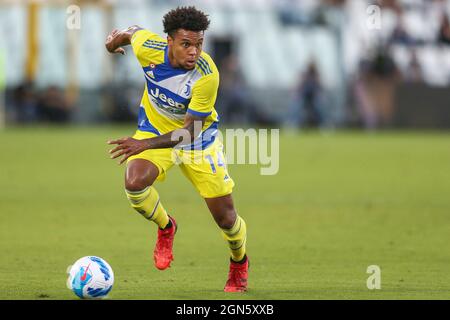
(206,66)
(149,39)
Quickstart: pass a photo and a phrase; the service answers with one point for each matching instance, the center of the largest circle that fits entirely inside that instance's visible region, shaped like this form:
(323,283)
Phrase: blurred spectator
(383,65)
(233,101)
(400,35)
(365,106)
(25,103)
(414,72)
(376,92)
(53,106)
(121,103)
(444,30)
(395,5)
(306,108)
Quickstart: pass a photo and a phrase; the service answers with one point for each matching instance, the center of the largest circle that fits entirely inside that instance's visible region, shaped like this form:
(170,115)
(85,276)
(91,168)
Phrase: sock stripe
(229,232)
(137,197)
(234,249)
(136,192)
(236,237)
(154,209)
(137,201)
(147,203)
(242,244)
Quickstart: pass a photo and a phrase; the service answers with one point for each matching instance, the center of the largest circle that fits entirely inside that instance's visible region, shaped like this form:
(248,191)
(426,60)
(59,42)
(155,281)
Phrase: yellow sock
(237,238)
(147,203)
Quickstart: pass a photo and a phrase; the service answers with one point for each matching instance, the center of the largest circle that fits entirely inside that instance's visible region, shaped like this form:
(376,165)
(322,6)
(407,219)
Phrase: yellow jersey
(171,92)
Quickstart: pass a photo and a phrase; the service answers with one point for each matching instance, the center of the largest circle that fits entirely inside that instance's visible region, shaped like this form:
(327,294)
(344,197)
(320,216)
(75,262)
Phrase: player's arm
(128,146)
(117,39)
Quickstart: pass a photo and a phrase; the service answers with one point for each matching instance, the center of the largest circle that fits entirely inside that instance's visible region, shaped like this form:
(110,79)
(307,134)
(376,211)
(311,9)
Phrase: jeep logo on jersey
(163,98)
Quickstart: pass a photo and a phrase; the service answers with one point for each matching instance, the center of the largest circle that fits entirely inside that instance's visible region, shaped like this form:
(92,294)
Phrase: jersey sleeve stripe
(197,113)
(204,64)
(155,42)
(202,68)
(154,47)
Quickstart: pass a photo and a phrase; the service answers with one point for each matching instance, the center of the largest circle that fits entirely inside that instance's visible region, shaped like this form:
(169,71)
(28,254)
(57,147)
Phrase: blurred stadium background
(283,63)
(364,171)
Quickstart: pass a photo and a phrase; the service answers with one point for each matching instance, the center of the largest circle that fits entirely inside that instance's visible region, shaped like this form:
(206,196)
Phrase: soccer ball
(90,277)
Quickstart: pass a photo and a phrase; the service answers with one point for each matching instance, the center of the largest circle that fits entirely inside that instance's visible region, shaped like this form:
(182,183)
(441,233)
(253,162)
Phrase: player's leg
(142,171)
(212,180)
(139,177)
(234,231)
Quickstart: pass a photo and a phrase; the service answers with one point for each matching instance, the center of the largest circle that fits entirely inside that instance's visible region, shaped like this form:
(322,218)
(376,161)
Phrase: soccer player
(177,124)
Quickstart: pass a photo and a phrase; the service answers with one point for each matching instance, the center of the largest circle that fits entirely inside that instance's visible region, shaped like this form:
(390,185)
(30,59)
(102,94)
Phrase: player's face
(185,48)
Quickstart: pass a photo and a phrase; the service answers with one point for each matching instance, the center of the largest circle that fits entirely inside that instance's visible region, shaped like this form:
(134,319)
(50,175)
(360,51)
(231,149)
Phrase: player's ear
(169,40)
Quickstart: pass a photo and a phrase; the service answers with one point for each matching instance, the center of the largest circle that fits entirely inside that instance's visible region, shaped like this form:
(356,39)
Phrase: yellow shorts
(206,169)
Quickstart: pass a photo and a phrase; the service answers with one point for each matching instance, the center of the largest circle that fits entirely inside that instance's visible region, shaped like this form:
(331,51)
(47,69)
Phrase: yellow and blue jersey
(171,92)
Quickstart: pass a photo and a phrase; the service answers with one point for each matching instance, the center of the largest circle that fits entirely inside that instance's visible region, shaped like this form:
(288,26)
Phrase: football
(90,277)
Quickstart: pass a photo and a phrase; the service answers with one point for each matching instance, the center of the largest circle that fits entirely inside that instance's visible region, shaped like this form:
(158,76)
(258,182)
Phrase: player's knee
(140,174)
(136,183)
(227,218)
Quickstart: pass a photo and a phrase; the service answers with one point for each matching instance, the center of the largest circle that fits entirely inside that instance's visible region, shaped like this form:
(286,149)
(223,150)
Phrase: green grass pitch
(340,203)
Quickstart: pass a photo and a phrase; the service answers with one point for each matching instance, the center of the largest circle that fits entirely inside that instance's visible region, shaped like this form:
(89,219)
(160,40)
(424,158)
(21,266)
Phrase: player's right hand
(109,44)
(126,147)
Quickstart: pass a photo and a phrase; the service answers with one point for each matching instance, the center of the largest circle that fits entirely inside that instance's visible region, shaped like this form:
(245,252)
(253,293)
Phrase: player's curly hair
(188,18)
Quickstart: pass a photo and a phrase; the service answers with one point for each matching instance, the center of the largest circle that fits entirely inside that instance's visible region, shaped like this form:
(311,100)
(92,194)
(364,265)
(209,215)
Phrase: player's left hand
(127,147)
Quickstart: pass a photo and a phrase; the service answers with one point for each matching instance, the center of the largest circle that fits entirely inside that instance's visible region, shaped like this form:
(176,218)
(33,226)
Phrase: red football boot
(237,277)
(163,254)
